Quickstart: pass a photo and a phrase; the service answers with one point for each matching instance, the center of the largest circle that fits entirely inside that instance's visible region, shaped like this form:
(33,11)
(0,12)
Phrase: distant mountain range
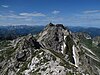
(11,32)
(92,31)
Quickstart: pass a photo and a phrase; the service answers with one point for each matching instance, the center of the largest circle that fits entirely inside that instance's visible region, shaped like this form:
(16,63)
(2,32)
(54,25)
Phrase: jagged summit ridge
(53,36)
(55,25)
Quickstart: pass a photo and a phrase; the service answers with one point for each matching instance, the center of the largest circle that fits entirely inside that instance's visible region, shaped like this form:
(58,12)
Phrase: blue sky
(84,13)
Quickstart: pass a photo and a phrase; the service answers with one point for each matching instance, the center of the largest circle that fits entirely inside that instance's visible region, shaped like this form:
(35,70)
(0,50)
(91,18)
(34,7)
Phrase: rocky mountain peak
(50,24)
(54,51)
(57,26)
(60,25)
(53,36)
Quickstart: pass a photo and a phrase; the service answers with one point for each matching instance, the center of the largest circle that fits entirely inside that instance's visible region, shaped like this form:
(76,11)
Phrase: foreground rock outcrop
(54,51)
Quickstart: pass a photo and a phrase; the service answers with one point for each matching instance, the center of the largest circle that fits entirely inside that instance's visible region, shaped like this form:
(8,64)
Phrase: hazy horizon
(83,13)
(55,24)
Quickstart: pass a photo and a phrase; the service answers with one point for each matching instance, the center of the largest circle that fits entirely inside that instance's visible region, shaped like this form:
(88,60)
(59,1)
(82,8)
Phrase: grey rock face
(21,56)
(96,40)
(54,51)
(53,36)
(81,35)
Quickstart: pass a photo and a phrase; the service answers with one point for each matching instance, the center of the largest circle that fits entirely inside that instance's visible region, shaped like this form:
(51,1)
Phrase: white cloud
(90,18)
(21,18)
(12,16)
(11,11)
(33,14)
(55,19)
(28,19)
(55,12)
(0,15)
(91,11)
(5,6)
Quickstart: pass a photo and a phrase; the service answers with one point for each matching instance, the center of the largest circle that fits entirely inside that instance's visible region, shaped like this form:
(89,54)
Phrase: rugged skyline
(84,13)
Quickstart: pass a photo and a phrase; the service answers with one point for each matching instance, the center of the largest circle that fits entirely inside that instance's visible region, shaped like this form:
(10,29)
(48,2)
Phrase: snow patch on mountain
(63,46)
(75,56)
